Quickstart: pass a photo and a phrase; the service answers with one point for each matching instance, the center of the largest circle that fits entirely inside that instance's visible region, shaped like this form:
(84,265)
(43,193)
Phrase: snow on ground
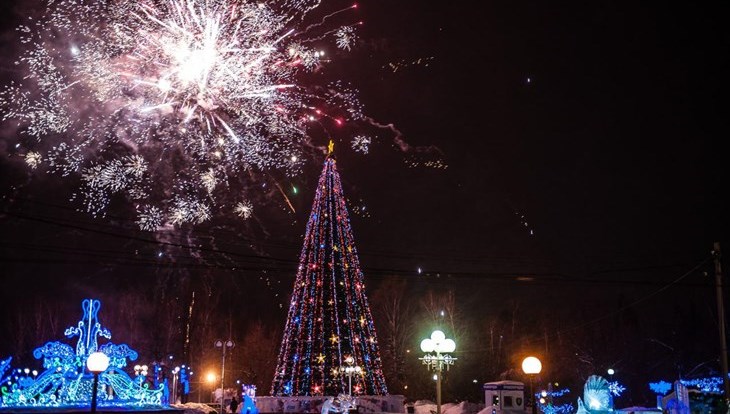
(195,408)
(429,407)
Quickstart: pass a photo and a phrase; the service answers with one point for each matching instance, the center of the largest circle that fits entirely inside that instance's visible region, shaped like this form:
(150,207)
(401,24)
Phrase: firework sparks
(346,37)
(244,209)
(361,144)
(173,101)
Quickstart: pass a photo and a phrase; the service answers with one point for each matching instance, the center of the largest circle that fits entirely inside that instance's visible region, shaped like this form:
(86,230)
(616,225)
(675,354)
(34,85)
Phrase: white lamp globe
(437,336)
(448,345)
(531,365)
(97,362)
(427,345)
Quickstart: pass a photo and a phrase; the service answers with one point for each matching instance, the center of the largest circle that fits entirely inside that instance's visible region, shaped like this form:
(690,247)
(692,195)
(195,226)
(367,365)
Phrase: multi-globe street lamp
(350,369)
(440,346)
(223,345)
(532,366)
(97,363)
(140,372)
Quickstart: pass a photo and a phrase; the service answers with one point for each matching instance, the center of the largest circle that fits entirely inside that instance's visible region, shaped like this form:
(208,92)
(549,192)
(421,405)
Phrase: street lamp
(532,366)
(223,345)
(97,363)
(350,369)
(175,373)
(439,344)
(140,372)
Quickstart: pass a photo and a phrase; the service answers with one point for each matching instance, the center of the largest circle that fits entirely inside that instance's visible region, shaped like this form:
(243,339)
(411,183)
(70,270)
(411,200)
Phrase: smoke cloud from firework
(175,105)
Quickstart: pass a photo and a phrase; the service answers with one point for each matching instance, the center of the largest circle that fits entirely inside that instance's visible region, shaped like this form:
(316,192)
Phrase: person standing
(234,405)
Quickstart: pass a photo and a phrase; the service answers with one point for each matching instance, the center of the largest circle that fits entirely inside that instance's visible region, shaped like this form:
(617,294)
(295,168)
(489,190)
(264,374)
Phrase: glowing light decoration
(65,381)
(661,387)
(616,388)
(177,103)
(596,395)
(546,405)
(712,385)
(329,318)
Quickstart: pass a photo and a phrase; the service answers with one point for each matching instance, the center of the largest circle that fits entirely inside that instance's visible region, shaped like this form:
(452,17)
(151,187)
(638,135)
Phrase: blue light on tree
(65,381)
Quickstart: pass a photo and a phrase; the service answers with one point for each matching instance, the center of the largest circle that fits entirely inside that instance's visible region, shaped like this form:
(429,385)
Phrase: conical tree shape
(329,318)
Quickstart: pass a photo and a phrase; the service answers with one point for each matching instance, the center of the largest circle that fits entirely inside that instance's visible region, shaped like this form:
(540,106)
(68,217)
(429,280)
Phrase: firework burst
(174,103)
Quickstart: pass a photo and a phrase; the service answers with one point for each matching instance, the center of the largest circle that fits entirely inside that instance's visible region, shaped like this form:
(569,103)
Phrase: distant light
(529,80)
(611,371)
(475,381)
(210,377)
(27,370)
(435,377)
(544,393)
(420,270)
(75,50)
(293,158)
(442,313)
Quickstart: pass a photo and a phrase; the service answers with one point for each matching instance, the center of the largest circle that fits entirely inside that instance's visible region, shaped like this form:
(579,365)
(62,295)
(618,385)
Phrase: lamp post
(350,369)
(532,366)
(140,372)
(223,345)
(97,363)
(440,345)
(175,373)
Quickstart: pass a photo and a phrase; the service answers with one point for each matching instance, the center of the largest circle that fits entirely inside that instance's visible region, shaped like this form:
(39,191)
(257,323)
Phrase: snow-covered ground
(195,408)
(429,407)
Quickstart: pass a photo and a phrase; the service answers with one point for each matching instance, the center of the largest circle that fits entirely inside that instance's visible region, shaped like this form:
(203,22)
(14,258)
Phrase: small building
(504,397)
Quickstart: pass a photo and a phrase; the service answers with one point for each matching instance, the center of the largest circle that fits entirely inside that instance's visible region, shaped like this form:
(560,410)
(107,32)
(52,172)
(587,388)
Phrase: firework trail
(174,105)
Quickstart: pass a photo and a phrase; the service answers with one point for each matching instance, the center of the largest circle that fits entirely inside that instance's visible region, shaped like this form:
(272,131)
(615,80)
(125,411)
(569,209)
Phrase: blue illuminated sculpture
(596,396)
(65,381)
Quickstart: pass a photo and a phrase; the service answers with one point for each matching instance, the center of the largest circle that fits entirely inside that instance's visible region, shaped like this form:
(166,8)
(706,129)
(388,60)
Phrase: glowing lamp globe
(97,362)
(611,371)
(531,365)
(448,346)
(427,345)
(210,377)
(437,336)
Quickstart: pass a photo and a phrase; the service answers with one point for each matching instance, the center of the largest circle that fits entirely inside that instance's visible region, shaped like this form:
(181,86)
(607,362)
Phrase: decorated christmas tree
(329,326)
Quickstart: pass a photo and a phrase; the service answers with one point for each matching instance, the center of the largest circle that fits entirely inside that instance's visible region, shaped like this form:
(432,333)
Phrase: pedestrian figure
(234,405)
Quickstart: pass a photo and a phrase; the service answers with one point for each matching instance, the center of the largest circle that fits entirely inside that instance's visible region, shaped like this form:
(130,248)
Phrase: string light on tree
(329,317)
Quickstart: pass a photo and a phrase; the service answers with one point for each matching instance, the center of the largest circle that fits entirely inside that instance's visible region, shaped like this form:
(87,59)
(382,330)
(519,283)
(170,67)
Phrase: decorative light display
(176,105)
(65,381)
(329,317)
(616,388)
(596,395)
(661,387)
(712,385)
(557,409)
(544,400)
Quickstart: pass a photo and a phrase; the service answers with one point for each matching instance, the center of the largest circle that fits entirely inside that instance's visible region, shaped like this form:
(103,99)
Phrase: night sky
(564,156)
